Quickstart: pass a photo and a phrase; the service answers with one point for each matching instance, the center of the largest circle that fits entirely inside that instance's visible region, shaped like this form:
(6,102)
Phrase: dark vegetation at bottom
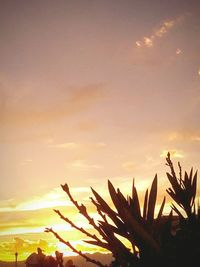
(172,240)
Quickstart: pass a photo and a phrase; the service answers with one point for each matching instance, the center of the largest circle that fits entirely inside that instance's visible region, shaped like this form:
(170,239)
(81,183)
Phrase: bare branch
(82,209)
(67,243)
(180,172)
(76,227)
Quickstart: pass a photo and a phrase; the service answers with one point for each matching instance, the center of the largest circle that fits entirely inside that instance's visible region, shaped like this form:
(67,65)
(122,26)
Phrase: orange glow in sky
(91,91)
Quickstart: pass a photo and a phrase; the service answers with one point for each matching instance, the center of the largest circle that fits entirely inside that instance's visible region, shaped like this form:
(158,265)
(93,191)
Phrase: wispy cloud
(163,29)
(128,166)
(195,138)
(184,136)
(26,161)
(82,165)
(178,51)
(29,110)
(22,219)
(74,145)
(54,198)
(65,145)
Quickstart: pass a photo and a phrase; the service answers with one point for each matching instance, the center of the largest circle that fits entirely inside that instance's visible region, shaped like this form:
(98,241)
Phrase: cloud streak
(165,27)
(25,111)
(54,198)
(184,136)
(82,165)
(74,145)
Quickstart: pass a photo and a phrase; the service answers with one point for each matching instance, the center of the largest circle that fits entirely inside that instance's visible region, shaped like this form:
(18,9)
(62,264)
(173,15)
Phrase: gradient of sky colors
(89,91)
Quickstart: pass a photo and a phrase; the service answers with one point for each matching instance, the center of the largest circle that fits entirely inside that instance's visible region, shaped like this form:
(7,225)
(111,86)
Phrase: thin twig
(76,227)
(82,209)
(67,243)
(180,173)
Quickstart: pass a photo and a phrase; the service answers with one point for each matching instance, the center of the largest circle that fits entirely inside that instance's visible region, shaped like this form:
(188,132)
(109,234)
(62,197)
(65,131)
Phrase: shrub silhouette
(162,240)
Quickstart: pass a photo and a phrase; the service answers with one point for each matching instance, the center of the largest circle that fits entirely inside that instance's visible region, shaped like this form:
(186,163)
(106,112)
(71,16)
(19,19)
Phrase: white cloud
(26,161)
(80,164)
(54,198)
(65,145)
(128,166)
(195,138)
(138,43)
(184,136)
(178,51)
(74,145)
(148,41)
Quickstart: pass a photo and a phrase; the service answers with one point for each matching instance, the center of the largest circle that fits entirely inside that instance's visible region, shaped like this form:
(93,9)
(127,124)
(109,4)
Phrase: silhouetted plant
(153,243)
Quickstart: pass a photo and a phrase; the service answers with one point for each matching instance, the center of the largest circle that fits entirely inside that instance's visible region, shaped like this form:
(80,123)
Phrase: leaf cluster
(155,240)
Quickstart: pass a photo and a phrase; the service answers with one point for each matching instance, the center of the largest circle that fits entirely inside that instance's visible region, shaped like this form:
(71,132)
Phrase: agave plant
(186,242)
(150,236)
(183,190)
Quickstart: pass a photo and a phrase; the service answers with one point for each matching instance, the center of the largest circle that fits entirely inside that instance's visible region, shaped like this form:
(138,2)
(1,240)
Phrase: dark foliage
(169,241)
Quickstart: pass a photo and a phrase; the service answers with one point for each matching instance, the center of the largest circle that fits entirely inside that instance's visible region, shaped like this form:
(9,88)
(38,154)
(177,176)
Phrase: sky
(90,91)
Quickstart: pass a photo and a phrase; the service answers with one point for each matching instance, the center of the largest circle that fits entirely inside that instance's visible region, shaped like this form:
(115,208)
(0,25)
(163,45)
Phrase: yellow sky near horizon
(24,232)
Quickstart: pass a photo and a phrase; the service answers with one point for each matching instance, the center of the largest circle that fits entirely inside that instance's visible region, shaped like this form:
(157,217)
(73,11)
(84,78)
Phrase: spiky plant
(186,241)
(150,236)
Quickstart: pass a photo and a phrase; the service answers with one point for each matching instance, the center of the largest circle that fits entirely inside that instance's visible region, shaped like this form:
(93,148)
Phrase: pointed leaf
(186,181)
(145,205)
(133,186)
(113,229)
(194,188)
(174,196)
(136,202)
(152,201)
(177,211)
(143,237)
(191,175)
(114,197)
(121,197)
(161,210)
(173,182)
(106,208)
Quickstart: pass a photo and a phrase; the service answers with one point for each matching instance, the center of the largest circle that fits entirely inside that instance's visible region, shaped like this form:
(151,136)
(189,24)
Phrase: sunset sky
(91,90)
